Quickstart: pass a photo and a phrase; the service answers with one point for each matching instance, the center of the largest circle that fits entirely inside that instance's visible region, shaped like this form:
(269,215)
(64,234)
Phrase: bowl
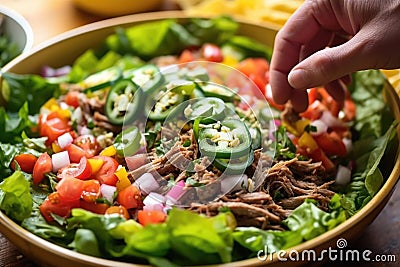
(106,8)
(77,41)
(16,28)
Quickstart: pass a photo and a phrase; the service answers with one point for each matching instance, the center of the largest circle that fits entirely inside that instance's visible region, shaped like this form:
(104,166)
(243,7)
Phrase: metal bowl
(53,52)
(16,28)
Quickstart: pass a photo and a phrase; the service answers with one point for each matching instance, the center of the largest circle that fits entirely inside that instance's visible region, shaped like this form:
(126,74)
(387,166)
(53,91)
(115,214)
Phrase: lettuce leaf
(15,197)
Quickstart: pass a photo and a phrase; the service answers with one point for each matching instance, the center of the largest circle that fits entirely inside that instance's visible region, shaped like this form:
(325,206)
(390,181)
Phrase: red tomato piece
(319,156)
(106,174)
(211,52)
(130,197)
(72,99)
(84,170)
(42,166)
(146,217)
(186,56)
(331,144)
(54,205)
(88,143)
(98,208)
(121,210)
(75,153)
(70,188)
(257,70)
(25,161)
(52,126)
(91,190)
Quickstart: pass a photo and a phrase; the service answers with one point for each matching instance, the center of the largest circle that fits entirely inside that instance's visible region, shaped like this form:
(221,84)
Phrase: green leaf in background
(15,197)
(19,89)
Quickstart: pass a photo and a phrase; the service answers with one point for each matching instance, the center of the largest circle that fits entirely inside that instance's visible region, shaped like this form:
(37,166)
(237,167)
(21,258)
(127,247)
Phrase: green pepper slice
(227,139)
(122,102)
(147,77)
(127,142)
(209,109)
(218,91)
(234,166)
(101,79)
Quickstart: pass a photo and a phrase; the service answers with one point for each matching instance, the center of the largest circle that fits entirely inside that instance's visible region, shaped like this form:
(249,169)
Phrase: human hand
(326,40)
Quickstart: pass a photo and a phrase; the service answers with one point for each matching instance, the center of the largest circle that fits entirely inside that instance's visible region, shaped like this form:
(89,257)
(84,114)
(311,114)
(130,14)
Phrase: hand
(325,41)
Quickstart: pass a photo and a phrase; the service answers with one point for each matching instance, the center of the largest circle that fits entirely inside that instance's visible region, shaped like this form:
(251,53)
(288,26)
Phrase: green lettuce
(15,197)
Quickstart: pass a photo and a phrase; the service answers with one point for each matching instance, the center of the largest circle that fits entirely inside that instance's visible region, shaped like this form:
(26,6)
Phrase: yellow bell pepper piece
(95,164)
(55,147)
(51,104)
(300,125)
(109,151)
(123,180)
(292,129)
(306,140)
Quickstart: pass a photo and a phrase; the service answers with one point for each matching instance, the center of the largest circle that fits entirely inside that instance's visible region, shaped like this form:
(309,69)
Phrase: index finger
(300,29)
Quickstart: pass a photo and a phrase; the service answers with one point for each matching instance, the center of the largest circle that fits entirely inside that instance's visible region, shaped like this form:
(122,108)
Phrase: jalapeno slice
(227,139)
(127,142)
(234,166)
(101,79)
(175,93)
(122,102)
(219,91)
(147,77)
(209,109)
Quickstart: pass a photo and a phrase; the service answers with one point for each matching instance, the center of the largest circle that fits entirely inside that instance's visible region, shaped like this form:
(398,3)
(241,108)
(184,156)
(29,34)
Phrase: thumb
(331,64)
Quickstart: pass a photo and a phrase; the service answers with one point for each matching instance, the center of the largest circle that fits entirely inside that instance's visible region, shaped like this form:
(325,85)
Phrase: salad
(163,146)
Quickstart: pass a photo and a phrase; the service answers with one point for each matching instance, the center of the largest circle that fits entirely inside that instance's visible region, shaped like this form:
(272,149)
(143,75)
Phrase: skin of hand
(324,41)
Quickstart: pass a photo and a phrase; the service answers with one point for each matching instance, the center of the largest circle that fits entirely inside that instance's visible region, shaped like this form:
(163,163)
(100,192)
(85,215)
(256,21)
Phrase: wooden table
(49,18)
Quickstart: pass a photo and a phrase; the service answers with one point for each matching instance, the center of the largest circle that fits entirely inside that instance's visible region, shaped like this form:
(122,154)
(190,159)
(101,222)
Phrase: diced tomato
(349,110)
(331,144)
(70,188)
(121,210)
(313,111)
(52,126)
(83,170)
(211,52)
(25,161)
(88,143)
(257,69)
(146,217)
(75,153)
(106,174)
(130,197)
(42,166)
(54,205)
(91,190)
(72,99)
(186,56)
(319,156)
(98,208)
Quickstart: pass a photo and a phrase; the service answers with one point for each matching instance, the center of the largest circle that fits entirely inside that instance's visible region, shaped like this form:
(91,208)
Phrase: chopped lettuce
(15,197)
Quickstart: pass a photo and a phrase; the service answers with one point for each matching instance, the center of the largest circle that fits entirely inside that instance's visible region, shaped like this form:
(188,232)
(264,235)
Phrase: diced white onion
(176,192)
(348,144)
(154,201)
(147,183)
(64,140)
(60,160)
(77,115)
(320,126)
(343,175)
(330,120)
(107,192)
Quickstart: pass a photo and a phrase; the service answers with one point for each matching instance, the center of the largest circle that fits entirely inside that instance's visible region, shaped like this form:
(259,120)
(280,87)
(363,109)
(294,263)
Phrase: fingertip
(299,79)
(337,89)
(299,100)
(280,88)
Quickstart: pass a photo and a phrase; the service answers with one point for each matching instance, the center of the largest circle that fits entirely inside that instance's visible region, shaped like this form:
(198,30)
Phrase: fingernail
(298,78)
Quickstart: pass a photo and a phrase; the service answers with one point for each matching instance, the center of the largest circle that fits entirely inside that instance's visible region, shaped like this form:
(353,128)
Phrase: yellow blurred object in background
(113,8)
(274,12)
